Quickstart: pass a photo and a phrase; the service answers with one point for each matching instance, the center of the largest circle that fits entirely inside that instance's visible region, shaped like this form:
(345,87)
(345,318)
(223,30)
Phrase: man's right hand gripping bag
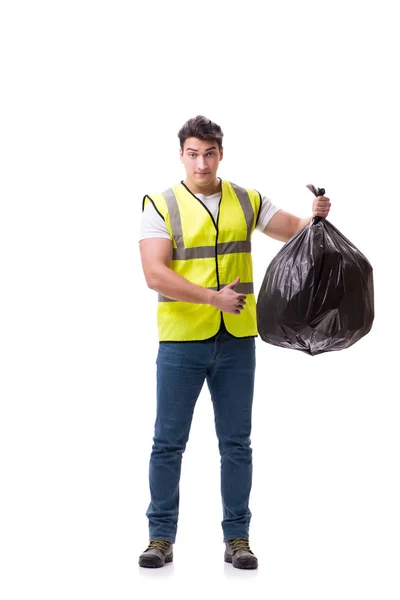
(318,293)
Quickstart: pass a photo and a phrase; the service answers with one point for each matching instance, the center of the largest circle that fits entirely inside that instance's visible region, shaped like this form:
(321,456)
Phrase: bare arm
(284,225)
(156,255)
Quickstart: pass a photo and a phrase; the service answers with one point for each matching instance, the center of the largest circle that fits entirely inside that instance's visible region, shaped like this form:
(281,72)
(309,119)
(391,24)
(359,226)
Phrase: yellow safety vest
(210,254)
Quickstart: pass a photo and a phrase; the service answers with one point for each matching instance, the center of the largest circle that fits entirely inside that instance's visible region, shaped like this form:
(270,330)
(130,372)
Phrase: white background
(93,95)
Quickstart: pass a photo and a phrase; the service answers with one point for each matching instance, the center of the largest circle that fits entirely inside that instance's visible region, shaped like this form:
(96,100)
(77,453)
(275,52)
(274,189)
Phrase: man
(196,253)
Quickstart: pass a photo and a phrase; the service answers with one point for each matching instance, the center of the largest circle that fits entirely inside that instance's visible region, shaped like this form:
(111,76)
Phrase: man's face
(201,159)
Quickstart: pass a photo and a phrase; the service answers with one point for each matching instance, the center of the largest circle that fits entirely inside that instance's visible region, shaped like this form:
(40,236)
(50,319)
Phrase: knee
(231,446)
(162,445)
(169,438)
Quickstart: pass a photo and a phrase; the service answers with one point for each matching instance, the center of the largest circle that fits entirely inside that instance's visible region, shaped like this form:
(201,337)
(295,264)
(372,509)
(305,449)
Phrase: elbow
(153,280)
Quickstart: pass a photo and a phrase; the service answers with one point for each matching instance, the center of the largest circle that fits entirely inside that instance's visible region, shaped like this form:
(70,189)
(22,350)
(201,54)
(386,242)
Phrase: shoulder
(244,190)
(152,203)
(157,198)
(153,224)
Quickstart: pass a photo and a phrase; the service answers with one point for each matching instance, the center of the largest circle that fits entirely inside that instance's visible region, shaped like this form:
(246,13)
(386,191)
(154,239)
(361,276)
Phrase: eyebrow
(196,149)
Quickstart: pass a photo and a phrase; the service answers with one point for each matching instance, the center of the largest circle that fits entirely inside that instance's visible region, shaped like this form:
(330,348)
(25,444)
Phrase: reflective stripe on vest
(209,251)
(247,208)
(175,217)
(240,288)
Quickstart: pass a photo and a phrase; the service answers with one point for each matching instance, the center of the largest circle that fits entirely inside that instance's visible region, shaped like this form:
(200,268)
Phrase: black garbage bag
(317,294)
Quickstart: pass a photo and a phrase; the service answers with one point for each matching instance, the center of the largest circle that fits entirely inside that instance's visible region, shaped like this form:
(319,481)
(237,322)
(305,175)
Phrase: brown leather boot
(157,553)
(238,553)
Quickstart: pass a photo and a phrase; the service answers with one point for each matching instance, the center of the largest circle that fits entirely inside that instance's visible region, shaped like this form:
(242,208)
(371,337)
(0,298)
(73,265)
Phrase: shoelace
(159,545)
(240,544)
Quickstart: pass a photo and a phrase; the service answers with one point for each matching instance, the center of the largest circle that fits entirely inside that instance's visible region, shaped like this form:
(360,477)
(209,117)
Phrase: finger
(321,206)
(231,285)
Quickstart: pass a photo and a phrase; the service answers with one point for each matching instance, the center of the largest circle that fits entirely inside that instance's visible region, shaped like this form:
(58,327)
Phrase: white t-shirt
(153,225)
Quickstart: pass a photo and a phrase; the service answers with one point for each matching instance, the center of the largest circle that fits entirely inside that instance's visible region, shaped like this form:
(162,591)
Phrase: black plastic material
(317,294)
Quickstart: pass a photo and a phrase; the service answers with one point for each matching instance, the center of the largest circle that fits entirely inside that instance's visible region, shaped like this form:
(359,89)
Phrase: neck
(206,190)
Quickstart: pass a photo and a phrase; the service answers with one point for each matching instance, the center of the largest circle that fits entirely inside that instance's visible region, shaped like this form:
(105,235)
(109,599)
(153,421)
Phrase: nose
(201,164)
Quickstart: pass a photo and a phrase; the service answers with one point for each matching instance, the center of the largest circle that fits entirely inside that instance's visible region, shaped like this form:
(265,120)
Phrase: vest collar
(223,185)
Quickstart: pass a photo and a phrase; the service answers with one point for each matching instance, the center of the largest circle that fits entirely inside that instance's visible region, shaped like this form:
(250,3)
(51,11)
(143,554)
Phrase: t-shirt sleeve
(152,224)
(267,211)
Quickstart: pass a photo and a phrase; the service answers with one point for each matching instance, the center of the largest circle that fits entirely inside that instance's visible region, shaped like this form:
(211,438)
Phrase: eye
(192,155)
(211,153)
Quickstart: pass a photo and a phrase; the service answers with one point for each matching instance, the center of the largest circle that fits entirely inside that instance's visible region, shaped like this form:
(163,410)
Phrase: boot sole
(245,563)
(154,562)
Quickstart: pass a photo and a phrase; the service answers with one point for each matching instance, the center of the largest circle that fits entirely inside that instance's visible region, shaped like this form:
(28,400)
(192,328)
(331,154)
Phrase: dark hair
(202,128)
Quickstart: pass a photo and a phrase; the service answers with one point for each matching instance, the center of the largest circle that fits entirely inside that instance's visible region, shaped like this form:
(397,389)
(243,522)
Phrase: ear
(181,154)
(221,153)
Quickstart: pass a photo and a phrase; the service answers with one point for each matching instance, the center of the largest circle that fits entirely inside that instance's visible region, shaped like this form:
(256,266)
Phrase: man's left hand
(321,206)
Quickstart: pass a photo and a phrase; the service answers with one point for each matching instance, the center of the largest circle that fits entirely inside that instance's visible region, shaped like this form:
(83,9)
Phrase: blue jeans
(228,366)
